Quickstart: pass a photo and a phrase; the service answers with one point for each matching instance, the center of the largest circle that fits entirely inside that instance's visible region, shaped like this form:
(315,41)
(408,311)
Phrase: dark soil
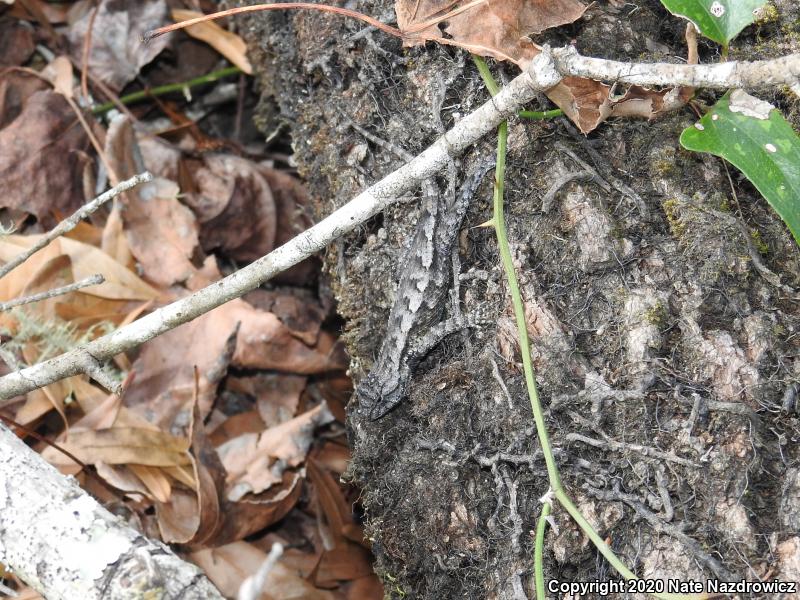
(663,307)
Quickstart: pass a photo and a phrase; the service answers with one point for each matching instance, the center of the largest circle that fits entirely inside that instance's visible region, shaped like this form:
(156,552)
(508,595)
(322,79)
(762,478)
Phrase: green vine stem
(493,88)
(168,89)
(553,475)
(538,551)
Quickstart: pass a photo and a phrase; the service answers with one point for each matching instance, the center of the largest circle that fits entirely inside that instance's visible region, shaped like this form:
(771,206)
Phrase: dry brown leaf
(337,390)
(366,588)
(59,74)
(301,312)
(228,566)
(54,13)
(122,478)
(16,43)
(230,45)
(114,240)
(154,481)
(254,462)
(344,559)
(41,161)
(124,445)
(117,53)
(500,28)
(104,413)
(16,87)
(234,426)
(120,283)
(333,456)
(178,518)
(40,402)
(497,28)
(161,232)
(164,383)
(192,517)
(234,205)
(588,102)
(343,563)
(277,395)
(253,513)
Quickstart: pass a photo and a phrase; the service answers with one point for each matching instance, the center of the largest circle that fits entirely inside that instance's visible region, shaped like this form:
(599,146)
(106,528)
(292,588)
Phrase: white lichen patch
(788,554)
(738,528)
(770,148)
(717,9)
(743,103)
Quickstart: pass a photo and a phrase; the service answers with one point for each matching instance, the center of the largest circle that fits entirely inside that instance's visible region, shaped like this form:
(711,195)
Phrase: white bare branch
(62,543)
(733,74)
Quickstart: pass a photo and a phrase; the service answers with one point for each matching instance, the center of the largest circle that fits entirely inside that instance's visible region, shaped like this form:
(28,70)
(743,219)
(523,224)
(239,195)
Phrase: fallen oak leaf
(40,164)
(499,27)
(230,45)
(154,481)
(124,445)
(161,232)
(16,42)
(277,395)
(120,283)
(192,516)
(345,560)
(117,54)
(255,462)
(234,205)
(255,512)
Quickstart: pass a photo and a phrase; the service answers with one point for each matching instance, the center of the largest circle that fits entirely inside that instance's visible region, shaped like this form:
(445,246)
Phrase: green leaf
(752,135)
(719,20)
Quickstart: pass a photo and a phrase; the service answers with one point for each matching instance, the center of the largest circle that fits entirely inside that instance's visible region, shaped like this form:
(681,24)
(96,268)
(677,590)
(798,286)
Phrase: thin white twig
(252,587)
(72,221)
(367,204)
(8,591)
(733,74)
(59,291)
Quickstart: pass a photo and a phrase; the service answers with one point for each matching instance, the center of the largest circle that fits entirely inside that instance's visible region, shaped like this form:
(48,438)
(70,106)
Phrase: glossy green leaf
(753,136)
(719,20)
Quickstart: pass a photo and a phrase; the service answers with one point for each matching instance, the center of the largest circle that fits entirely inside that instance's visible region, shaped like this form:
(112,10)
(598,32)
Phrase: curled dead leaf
(230,45)
(41,161)
(117,54)
(255,462)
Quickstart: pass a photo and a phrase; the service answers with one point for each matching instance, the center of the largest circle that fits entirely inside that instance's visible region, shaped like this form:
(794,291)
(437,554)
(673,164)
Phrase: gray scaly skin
(418,305)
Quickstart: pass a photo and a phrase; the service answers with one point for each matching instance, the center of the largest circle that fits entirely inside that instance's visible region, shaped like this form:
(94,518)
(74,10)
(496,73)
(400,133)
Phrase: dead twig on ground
(72,221)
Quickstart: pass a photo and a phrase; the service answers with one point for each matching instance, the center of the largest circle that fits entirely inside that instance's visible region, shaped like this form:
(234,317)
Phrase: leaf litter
(210,445)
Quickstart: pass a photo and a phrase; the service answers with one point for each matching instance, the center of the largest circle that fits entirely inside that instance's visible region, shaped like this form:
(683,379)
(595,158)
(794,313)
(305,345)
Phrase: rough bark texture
(62,543)
(655,322)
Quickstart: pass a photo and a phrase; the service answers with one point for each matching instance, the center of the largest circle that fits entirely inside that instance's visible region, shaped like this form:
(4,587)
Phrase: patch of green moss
(672,208)
(759,242)
(768,14)
(656,315)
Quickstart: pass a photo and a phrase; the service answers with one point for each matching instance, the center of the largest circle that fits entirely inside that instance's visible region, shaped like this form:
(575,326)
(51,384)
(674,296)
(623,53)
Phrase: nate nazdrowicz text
(670,586)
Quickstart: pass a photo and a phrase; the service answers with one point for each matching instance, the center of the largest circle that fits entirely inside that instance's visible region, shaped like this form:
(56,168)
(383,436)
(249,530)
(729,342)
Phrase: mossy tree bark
(666,348)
